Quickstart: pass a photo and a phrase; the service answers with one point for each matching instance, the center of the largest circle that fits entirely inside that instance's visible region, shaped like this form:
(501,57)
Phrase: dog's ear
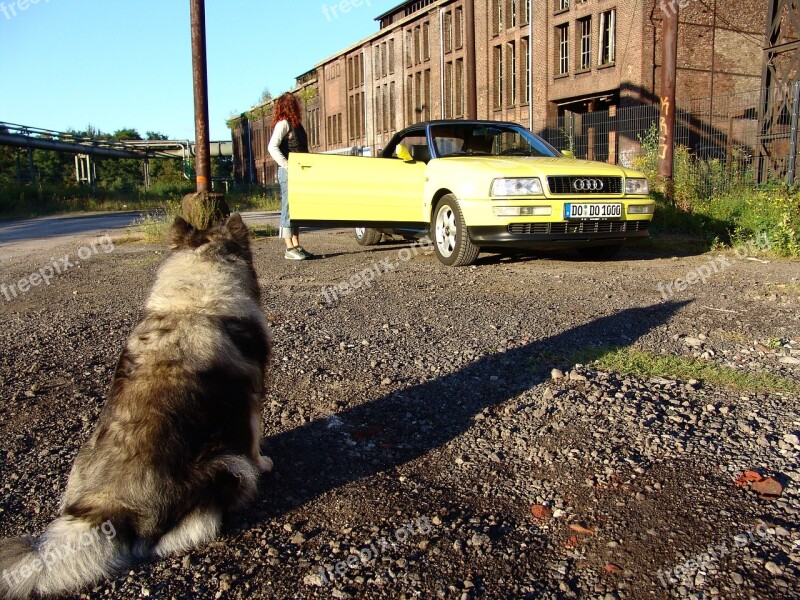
(180,233)
(238,230)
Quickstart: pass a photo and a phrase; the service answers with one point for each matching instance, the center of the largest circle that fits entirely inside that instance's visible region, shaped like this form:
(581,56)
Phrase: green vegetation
(721,204)
(155,225)
(120,182)
(646,365)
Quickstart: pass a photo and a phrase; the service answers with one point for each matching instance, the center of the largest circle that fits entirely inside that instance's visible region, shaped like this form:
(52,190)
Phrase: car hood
(521,166)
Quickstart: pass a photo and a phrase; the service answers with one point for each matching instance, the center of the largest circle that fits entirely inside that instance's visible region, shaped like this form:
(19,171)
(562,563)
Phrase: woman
(288,136)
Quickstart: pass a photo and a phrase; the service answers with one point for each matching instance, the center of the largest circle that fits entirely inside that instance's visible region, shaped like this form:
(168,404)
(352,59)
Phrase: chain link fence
(722,142)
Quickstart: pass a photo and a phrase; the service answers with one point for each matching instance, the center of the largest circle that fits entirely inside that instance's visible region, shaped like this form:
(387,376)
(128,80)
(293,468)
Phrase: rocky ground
(433,435)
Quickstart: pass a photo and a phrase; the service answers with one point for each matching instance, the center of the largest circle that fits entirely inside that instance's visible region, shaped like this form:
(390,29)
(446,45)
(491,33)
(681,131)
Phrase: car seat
(421,152)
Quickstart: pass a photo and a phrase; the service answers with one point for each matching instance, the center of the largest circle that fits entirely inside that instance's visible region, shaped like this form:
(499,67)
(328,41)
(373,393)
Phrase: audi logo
(588,185)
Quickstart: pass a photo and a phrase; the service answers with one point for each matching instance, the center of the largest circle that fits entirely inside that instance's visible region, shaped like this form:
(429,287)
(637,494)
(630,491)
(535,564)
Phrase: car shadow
(403,425)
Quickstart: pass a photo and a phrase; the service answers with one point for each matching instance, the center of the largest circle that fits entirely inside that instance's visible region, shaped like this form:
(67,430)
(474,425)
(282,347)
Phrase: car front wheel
(450,238)
(366,236)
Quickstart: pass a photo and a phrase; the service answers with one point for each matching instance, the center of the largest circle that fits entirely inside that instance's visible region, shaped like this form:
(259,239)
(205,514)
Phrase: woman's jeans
(287,231)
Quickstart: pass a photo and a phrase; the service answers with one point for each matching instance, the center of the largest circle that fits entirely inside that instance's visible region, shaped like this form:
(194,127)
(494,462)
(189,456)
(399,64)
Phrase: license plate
(592,210)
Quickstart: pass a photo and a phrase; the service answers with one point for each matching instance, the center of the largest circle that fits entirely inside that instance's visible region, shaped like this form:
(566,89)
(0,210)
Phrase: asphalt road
(21,236)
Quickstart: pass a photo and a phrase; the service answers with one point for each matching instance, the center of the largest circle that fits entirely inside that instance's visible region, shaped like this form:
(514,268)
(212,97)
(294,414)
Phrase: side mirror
(567,154)
(403,153)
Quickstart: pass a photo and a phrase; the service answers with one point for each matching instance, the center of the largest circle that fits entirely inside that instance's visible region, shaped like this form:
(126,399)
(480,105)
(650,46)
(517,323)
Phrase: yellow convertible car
(469,185)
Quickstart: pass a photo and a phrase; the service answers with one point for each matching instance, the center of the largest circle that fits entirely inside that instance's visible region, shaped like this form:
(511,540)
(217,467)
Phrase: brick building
(528,61)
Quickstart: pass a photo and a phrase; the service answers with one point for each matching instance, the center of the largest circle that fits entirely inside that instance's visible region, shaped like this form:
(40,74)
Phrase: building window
(410,114)
(386,107)
(526,49)
(448,90)
(391,56)
(448,31)
(458,108)
(512,13)
(376,61)
(586,43)
(384,60)
(426,77)
(458,27)
(426,41)
(409,48)
(608,26)
(498,76)
(562,5)
(362,118)
(418,96)
(379,108)
(563,49)
(526,11)
(417,45)
(497,16)
(511,78)
(392,107)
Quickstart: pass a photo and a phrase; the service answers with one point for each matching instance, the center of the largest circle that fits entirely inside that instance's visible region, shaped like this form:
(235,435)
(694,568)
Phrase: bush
(722,203)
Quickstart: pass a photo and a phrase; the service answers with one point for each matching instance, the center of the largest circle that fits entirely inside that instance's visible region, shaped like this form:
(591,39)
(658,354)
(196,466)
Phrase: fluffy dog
(178,442)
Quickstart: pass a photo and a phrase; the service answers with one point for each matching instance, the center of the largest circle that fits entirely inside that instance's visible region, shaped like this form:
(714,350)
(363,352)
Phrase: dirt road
(433,435)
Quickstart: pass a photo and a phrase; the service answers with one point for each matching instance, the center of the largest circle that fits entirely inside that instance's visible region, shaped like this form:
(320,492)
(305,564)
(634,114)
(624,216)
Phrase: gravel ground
(430,438)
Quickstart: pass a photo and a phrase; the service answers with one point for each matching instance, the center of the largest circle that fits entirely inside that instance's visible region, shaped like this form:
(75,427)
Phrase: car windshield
(481,139)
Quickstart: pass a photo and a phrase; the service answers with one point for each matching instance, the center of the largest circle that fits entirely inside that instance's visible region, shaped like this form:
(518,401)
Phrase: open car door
(355,191)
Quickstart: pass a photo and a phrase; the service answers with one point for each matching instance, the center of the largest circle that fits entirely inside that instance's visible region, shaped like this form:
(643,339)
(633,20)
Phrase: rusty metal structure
(779,109)
(200,79)
(666,126)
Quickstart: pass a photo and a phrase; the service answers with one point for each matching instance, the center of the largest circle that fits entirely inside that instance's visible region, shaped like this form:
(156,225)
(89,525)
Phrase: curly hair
(287,107)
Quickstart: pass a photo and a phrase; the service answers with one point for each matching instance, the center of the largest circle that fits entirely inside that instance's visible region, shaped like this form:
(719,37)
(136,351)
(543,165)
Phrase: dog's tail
(70,554)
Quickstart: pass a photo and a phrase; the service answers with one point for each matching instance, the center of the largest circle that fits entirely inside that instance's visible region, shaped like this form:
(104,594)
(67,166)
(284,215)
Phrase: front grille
(564,184)
(578,227)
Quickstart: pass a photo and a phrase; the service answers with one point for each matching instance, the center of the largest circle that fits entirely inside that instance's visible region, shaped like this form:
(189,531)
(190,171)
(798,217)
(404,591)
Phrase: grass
(721,204)
(647,365)
(155,225)
(36,200)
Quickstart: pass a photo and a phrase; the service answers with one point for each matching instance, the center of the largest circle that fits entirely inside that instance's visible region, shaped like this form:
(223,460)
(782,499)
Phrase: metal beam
(36,143)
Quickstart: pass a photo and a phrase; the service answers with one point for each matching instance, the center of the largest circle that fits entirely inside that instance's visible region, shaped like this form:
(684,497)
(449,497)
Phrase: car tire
(599,252)
(450,237)
(367,236)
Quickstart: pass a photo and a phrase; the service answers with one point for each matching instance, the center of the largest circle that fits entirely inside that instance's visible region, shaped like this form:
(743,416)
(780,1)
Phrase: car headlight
(517,186)
(637,186)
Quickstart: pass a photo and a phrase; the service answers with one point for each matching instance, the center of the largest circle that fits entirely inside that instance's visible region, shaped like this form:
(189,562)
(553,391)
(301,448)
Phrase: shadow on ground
(409,423)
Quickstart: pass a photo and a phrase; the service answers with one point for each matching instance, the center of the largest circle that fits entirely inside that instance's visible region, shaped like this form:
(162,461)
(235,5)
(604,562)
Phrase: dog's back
(177,443)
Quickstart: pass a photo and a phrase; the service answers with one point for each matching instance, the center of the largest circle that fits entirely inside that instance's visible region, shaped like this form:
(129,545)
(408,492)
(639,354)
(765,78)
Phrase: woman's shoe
(294,254)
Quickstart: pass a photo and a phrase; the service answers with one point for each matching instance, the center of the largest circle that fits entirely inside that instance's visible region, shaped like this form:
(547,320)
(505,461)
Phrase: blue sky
(127,63)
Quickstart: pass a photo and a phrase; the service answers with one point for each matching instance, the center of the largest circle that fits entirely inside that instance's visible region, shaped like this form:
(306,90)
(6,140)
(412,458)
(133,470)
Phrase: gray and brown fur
(178,441)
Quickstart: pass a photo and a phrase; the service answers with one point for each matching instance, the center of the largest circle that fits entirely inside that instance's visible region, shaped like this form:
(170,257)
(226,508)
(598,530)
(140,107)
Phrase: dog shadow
(406,424)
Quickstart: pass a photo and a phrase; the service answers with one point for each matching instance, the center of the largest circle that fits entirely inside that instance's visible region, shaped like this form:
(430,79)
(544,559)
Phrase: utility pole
(203,208)
(666,123)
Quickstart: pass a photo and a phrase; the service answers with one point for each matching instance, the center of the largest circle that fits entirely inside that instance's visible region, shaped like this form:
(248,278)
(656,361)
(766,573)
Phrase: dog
(177,444)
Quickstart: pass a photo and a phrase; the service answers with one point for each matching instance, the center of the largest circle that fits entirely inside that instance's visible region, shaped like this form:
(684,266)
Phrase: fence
(725,141)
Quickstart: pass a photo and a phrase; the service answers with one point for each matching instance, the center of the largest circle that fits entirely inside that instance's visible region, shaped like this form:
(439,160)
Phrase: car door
(356,190)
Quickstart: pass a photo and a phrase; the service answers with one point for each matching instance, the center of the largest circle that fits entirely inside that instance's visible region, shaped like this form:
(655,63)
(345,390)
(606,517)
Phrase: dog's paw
(265,464)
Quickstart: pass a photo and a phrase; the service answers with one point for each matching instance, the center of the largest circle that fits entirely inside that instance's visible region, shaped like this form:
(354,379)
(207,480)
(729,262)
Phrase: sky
(117,64)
